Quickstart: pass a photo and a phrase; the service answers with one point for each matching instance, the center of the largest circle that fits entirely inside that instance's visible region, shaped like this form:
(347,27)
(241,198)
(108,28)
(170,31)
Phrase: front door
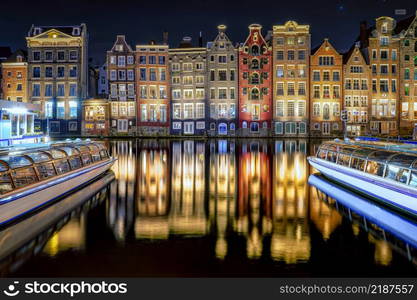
(122,125)
(326,128)
(384,127)
(223,128)
(188,127)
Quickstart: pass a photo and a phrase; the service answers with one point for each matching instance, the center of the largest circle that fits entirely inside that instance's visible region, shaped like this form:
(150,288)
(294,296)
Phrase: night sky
(142,21)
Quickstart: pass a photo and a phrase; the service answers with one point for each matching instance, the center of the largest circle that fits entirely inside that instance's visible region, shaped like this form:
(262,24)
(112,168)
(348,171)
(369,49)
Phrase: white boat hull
(32,198)
(392,193)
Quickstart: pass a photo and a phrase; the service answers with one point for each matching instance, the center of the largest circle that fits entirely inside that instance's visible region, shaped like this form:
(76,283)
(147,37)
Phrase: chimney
(200,40)
(165,37)
(363,34)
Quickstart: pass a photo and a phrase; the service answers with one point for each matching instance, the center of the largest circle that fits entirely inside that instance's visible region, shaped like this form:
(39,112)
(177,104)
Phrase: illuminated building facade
(5,53)
(14,77)
(356,90)
(121,78)
(152,82)
(384,60)
(96,117)
(255,106)
(290,71)
(222,84)
(326,67)
(188,88)
(57,75)
(407,29)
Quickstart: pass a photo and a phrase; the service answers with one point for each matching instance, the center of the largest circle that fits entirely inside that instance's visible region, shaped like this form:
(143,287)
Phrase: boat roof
(379,145)
(25,148)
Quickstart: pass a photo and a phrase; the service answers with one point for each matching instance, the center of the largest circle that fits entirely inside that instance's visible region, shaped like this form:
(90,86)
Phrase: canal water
(208,208)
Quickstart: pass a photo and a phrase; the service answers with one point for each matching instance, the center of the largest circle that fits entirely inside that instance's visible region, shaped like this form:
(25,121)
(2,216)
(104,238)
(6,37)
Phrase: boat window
(375,168)
(103,154)
(380,156)
(95,156)
(321,154)
(343,160)
(402,175)
(75,162)
(56,153)
(69,151)
(46,170)
(38,157)
(5,183)
(402,160)
(86,158)
(363,152)
(357,163)
(62,166)
(16,161)
(24,176)
(331,156)
(413,179)
(83,148)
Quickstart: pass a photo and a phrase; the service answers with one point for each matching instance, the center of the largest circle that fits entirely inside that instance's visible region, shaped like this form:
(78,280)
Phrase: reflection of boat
(387,176)
(33,232)
(381,222)
(33,177)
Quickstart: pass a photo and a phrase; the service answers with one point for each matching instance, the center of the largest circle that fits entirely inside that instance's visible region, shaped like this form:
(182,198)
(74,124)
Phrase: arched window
(326,111)
(232,126)
(254,78)
(223,128)
(255,50)
(254,94)
(254,127)
(244,124)
(254,64)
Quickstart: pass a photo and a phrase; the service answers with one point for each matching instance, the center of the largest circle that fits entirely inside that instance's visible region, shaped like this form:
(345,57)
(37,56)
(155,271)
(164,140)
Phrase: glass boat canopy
(396,165)
(21,168)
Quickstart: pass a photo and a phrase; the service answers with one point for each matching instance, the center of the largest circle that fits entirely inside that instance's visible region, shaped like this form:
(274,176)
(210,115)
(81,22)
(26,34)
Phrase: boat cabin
(392,165)
(23,168)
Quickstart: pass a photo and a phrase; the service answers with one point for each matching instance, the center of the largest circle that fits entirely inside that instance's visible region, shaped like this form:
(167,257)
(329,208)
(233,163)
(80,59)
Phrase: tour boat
(387,173)
(35,176)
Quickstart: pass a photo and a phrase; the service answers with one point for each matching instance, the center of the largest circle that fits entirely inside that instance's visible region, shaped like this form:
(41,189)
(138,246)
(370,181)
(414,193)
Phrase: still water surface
(203,208)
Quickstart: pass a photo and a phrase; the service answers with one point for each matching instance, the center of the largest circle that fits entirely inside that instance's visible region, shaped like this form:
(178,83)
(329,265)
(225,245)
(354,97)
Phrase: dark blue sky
(142,21)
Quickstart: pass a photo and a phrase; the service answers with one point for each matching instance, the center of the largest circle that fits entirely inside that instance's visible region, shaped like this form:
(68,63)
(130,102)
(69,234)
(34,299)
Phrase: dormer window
(384,27)
(19,58)
(76,31)
(37,30)
(119,48)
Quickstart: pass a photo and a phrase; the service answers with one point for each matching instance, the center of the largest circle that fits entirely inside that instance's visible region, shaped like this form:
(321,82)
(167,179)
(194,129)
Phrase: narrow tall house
(291,52)
(152,82)
(326,66)
(407,31)
(255,99)
(58,75)
(188,85)
(14,77)
(222,84)
(356,90)
(383,52)
(122,95)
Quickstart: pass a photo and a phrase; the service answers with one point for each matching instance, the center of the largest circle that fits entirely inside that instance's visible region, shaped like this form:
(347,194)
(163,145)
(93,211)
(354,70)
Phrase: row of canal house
(272,84)
(269,85)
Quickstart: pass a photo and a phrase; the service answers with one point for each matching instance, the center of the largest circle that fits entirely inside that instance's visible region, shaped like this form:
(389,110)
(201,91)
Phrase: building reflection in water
(222,191)
(290,237)
(255,189)
(121,203)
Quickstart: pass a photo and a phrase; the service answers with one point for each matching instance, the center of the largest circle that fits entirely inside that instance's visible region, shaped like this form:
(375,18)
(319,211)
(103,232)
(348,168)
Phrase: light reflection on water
(244,207)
